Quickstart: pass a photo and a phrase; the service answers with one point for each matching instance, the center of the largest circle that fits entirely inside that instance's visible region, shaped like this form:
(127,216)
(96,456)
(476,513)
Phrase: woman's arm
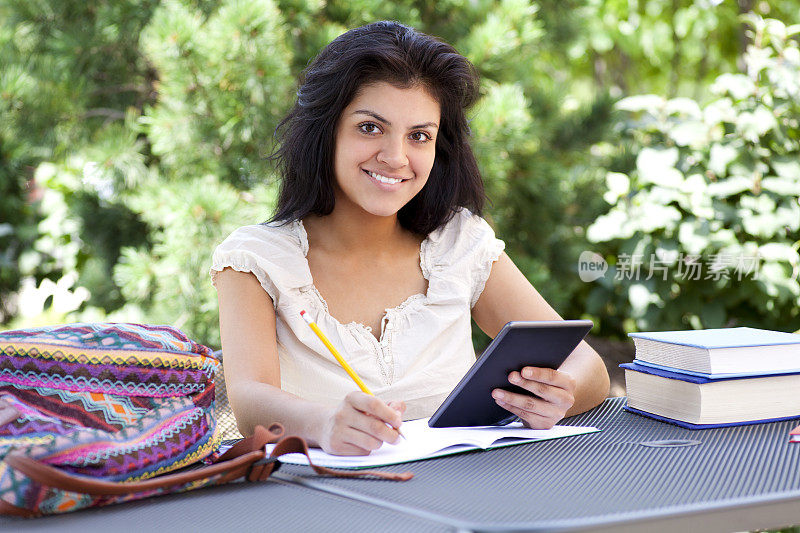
(253,379)
(579,384)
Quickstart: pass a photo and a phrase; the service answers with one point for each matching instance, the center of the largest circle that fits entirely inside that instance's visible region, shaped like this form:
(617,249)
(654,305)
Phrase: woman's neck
(354,231)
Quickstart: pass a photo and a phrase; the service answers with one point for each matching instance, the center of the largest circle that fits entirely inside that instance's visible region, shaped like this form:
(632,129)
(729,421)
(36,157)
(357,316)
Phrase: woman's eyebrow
(381,119)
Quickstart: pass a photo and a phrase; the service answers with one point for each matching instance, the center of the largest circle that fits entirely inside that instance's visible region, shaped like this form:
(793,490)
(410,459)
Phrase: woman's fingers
(550,385)
(348,433)
(552,394)
(397,406)
(525,404)
(360,424)
(533,420)
(381,413)
(374,417)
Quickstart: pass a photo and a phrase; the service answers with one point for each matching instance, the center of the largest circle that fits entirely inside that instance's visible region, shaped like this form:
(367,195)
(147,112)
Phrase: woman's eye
(368,127)
(420,136)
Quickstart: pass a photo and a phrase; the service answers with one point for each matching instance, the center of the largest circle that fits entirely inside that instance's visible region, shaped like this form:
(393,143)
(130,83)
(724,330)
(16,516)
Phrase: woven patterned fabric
(134,359)
(117,402)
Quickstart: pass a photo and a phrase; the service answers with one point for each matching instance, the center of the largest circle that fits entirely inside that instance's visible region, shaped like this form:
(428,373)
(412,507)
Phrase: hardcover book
(698,401)
(721,351)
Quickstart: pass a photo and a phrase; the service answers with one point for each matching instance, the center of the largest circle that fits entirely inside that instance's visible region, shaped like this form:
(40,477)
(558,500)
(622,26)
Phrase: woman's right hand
(358,425)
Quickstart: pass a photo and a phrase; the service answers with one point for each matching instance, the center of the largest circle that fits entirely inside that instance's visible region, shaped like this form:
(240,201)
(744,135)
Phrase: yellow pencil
(339,358)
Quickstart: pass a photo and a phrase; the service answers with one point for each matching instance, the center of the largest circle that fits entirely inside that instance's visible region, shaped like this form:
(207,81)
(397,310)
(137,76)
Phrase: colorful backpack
(93,414)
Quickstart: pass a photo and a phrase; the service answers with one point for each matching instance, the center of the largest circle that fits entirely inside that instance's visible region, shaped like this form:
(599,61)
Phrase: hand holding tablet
(519,344)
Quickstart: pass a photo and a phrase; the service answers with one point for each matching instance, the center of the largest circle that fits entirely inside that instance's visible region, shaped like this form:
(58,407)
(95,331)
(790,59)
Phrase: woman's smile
(384,179)
(385,147)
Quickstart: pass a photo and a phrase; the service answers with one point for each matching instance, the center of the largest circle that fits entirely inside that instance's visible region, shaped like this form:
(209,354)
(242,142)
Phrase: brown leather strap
(53,477)
(233,464)
(261,437)
(12,510)
(298,445)
(247,459)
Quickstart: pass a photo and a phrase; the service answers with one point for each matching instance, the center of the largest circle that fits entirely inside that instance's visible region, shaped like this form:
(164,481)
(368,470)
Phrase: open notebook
(423,442)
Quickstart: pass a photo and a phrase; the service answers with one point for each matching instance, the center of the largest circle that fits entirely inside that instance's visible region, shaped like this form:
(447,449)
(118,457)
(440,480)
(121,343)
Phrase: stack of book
(715,377)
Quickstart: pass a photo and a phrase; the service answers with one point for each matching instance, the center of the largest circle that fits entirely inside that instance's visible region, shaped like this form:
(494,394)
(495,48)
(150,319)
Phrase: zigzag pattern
(113,335)
(20,491)
(30,427)
(116,409)
(63,369)
(87,446)
(120,402)
(59,407)
(205,398)
(88,356)
(34,379)
(201,453)
(162,452)
(64,501)
(169,447)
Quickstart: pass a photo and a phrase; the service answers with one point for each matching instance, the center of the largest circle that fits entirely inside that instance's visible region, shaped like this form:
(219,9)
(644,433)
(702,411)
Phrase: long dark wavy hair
(385,51)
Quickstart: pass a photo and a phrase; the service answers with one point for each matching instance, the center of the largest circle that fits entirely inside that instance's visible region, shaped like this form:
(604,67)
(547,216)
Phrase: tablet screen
(519,344)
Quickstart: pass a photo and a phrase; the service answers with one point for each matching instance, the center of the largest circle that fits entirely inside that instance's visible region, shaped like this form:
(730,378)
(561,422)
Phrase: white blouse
(425,344)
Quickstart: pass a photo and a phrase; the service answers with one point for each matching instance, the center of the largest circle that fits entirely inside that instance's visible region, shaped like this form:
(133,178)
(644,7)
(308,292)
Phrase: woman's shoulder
(464,239)
(269,237)
(463,227)
(274,252)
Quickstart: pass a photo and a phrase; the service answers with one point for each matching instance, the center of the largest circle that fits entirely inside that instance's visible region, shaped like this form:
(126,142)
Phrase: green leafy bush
(705,230)
(133,132)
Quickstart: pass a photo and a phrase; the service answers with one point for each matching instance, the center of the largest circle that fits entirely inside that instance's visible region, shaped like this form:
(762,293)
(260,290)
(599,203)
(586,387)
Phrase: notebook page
(424,442)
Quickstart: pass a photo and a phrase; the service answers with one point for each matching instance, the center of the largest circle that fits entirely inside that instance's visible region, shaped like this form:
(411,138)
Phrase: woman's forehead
(412,104)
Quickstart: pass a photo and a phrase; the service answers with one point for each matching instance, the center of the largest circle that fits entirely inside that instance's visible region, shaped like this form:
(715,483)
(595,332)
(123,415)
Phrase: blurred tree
(705,229)
(69,72)
(133,132)
(668,47)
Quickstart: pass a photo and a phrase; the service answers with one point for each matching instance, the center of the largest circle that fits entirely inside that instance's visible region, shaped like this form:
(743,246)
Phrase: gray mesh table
(635,474)
(273,506)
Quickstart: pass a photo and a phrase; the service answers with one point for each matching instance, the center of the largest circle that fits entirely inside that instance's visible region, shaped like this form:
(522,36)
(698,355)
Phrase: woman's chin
(387,212)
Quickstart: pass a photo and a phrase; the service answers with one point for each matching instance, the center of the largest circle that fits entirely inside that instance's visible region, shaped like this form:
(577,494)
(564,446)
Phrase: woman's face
(385,147)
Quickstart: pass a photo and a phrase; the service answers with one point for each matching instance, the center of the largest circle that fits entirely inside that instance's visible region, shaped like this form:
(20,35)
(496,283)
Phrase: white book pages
(423,442)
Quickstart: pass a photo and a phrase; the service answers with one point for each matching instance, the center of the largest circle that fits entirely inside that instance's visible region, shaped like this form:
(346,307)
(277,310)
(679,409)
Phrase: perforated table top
(634,473)
(272,506)
(637,474)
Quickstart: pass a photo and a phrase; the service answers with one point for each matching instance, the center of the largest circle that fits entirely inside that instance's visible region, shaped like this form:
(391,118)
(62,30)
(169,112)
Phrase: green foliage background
(133,136)
(713,198)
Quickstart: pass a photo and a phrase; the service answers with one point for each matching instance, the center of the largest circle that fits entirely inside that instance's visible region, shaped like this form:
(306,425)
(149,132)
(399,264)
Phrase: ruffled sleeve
(274,254)
(464,250)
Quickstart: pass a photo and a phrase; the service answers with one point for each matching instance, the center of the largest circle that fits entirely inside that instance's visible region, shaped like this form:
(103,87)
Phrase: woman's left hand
(554,394)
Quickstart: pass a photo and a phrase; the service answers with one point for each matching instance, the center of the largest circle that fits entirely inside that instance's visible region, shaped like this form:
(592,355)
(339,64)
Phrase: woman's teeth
(383,179)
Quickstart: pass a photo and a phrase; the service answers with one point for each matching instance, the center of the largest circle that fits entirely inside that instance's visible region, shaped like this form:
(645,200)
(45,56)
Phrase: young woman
(378,237)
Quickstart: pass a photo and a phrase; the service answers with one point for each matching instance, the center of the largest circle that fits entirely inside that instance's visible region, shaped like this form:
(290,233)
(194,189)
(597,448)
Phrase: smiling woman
(378,237)
(385,148)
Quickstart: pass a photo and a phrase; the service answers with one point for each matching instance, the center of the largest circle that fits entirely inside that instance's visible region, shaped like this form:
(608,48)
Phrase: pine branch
(111,114)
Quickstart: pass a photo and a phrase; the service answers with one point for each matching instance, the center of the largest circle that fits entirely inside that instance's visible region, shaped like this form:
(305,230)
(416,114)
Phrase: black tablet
(519,344)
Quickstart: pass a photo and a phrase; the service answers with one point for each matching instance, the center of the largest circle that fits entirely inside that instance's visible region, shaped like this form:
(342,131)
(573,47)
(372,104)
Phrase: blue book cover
(721,337)
(696,377)
(688,425)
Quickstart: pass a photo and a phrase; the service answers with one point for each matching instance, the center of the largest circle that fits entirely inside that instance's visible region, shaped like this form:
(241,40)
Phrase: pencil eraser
(302,312)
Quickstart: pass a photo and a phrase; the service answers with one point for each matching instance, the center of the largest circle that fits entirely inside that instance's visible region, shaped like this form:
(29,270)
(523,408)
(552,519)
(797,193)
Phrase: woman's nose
(393,153)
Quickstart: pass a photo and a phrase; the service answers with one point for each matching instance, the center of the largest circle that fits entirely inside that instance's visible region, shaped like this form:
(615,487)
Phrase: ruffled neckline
(391,315)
